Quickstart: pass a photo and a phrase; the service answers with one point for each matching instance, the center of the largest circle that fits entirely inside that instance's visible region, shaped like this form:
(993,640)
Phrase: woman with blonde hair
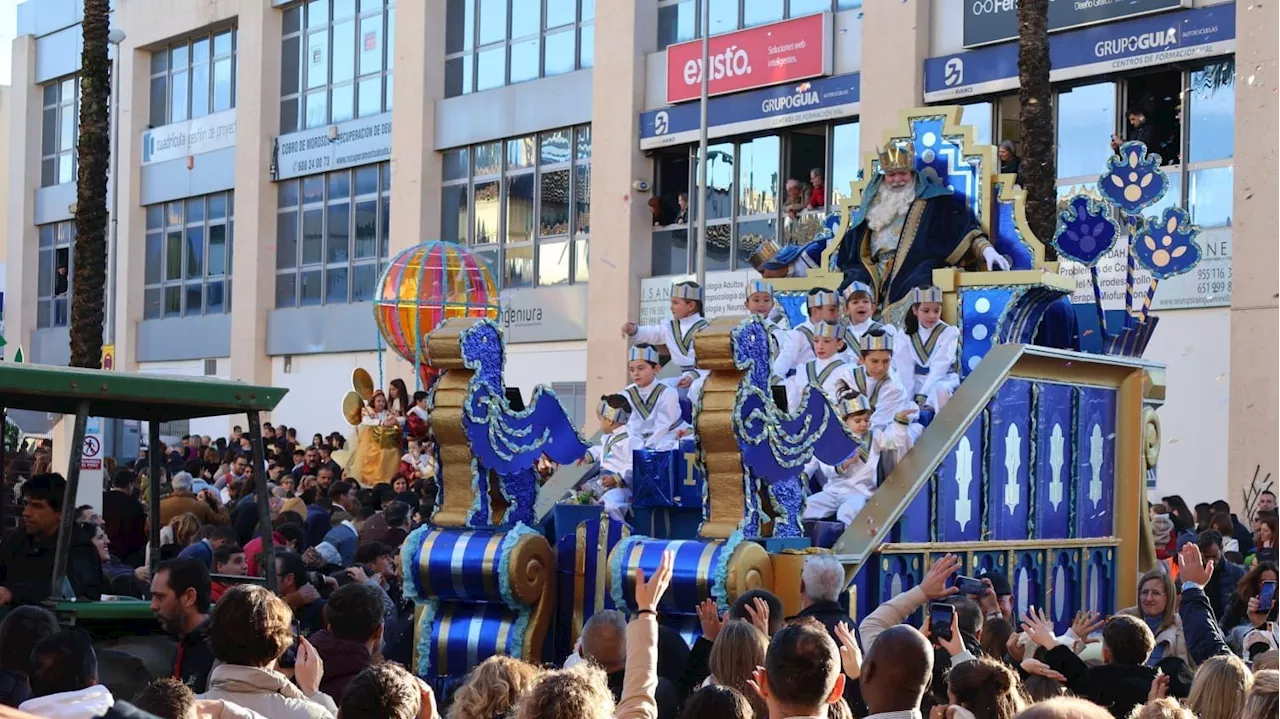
(1158,608)
(738,650)
(1220,688)
(1262,700)
(492,689)
(178,534)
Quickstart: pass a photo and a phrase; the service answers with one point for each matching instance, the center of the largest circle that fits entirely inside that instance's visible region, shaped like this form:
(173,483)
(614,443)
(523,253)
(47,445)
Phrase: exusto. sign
(780,52)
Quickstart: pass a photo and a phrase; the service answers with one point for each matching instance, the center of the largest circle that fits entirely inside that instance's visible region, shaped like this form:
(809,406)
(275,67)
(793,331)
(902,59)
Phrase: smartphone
(1266,596)
(969,585)
(940,616)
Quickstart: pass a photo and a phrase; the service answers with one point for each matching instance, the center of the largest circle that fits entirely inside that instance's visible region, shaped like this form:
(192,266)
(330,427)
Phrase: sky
(8,30)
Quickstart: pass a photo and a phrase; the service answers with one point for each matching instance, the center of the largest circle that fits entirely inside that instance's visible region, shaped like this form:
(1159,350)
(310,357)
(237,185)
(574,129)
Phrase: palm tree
(94,154)
(1039,163)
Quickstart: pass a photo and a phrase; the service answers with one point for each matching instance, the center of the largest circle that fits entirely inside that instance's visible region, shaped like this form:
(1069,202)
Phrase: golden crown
(897,156)
(763,253)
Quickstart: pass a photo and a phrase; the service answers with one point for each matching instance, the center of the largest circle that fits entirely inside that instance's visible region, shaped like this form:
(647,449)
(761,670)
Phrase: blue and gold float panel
(717,569)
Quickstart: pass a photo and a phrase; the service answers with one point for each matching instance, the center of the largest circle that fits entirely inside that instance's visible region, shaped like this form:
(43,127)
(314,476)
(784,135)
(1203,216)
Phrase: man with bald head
(896,673)
(1065,708)
(801,673)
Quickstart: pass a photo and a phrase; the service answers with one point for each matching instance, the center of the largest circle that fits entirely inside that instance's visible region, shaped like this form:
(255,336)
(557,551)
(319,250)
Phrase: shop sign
(324,149)
(780,52)
(545,314)
(193,137)
(990,21)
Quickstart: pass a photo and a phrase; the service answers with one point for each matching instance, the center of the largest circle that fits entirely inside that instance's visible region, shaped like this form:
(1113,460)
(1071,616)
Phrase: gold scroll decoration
(749,568)
(721,456)
(444,347)
(531,573)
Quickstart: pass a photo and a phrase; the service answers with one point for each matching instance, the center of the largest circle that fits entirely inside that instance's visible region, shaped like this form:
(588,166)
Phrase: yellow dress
(377,455)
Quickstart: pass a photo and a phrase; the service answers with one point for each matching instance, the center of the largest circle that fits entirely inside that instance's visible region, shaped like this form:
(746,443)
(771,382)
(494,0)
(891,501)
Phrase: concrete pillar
(415,165)
(257,122)
(1253,426)
(135,100)
(895,43)
(620,245)
(22,259)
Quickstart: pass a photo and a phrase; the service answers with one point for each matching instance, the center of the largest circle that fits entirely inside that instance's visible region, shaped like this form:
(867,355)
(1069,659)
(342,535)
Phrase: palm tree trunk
(94,153)
(1039,162)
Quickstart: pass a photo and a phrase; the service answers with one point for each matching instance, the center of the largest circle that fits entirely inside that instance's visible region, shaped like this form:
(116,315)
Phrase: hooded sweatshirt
(86,703)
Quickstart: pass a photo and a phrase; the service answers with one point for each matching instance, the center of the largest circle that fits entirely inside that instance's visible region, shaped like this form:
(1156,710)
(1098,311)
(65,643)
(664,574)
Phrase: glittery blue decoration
(1166,246)
(617,565)
(795,304)
(788,501)
(408,558)
(1085,230)
(508,594)
(1133,180)
(720,587)
(751,351)
(428,619)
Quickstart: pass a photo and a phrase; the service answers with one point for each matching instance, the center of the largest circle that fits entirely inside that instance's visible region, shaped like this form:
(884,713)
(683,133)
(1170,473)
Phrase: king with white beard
(906,228)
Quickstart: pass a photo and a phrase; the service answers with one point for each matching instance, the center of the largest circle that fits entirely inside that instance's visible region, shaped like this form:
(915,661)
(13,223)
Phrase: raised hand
(1039,628)
(710,618)
(1194,568)
(1087,622)
(934,583)
(758,610)
(1039,668)
(649,593)
(850,652)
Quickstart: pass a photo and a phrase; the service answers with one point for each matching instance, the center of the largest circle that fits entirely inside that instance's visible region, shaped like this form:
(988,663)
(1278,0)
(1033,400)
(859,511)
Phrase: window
(679,20)
(759,189)
(332,236)
(573,396)
(337,62)
(1086,122)
(523,205)
(492,43)
(188,257)
(53,286)
(193,78)
(60,131)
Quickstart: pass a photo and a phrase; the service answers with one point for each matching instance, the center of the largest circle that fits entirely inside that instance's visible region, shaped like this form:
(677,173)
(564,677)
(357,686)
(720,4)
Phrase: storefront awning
(1097,50)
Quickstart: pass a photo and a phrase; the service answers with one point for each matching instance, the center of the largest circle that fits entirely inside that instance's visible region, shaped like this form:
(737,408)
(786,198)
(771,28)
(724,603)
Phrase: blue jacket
(345,540)
(201,550)
(1199,626)
(317,524)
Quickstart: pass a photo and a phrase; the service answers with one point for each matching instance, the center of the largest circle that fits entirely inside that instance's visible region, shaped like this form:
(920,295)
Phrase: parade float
(1036,467)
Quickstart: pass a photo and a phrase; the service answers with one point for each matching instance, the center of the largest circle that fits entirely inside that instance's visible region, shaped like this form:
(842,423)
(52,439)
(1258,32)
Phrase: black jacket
(1204,637)
(126,522)
(193,659)
(26,566)
(1116,687)
(13,687)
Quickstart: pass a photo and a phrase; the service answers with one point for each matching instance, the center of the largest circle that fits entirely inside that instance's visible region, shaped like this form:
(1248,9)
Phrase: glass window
(342,242)
(720,173)
(677,23)
(845,160)
(340,64)
(759,12)
(1086,122)
(809,7)
(758,181)
(724,16)
(195,77)
(1210,197)
(514,41)
(1213,104)
(978,115)
(188,253)
(60,128)
(525,196)
(54,268)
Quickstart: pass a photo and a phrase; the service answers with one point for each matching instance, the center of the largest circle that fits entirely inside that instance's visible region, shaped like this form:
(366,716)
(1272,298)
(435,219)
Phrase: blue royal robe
(939,231)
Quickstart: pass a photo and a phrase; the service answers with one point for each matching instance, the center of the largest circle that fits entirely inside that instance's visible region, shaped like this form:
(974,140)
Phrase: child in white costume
(848,485)
(612,487)
(655,421)
(760,303)
(876,380)
(823,307)
(677,335)
(925,352)
(826,370)
(858,308)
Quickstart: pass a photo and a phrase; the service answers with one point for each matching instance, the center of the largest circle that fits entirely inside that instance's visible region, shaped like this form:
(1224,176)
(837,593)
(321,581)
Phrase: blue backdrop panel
(981,309)
(1009,461)
(898,573)
(1095,441)
(989,561)
(865,600)
(1063,598)
(1099,579)
(1051,491)
(958,488)
(916,524)
(1027,577)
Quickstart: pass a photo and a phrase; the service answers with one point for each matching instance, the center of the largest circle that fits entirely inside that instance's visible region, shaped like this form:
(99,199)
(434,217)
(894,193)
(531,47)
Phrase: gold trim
(1130,516)
(1012,545)
(579,580)
(721,455)
(704,568)
(441,664)
(490,566)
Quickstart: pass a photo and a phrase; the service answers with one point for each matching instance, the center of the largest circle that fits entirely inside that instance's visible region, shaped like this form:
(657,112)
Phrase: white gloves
(995,260)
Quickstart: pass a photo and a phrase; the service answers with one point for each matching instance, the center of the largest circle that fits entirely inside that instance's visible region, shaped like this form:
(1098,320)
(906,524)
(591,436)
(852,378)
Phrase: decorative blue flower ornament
(1166,246)
(1133,180)
(1085,232)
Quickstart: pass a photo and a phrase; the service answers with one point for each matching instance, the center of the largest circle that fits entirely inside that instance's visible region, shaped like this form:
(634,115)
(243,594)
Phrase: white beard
(888,205)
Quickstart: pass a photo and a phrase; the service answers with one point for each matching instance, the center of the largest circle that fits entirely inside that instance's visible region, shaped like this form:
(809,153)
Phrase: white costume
(853,334)
(677,336)
(848,486)
(613,454)
(829,374)
(926,363)
(800,348)
(655,416)
(887,397)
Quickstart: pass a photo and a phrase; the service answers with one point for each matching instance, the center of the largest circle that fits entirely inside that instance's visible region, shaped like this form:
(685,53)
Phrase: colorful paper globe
(424,286)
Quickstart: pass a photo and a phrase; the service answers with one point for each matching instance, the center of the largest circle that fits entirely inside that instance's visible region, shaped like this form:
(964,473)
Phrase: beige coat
(1172,636)
(267,692)
(641,678)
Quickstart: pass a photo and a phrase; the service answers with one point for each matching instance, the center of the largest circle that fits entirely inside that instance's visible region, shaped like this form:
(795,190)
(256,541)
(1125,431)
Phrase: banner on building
(991,21)
(1208,285)
(724,294)
(193,137)
(773,54)
(1115,47)
(333,147)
